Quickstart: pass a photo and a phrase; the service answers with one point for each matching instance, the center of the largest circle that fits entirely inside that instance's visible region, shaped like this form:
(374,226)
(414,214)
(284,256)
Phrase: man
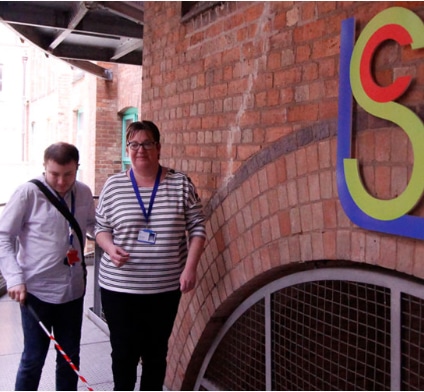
(42,262)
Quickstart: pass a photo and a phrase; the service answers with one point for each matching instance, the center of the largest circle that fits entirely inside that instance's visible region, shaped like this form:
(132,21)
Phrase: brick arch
(280,208)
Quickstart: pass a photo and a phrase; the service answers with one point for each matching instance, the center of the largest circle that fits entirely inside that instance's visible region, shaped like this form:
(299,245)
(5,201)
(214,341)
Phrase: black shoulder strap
(66,213)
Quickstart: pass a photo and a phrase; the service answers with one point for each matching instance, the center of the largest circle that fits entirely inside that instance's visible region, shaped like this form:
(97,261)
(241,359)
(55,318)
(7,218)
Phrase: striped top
(177,213)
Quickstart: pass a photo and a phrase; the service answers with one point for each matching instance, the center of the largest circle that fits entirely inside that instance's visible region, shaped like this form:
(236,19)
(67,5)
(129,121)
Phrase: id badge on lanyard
(146,235)
(72,254)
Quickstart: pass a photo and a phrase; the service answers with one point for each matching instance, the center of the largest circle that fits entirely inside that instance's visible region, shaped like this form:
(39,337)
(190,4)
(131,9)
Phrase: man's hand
(18,293)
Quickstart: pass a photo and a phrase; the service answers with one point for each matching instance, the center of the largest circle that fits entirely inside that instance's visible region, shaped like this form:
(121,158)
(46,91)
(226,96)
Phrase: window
(129,116)
(190,9)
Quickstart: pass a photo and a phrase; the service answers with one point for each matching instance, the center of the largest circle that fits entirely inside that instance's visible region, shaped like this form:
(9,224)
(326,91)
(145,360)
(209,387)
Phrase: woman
(143,218)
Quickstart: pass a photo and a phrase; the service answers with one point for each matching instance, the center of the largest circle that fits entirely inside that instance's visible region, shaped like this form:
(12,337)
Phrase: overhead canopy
(81,32)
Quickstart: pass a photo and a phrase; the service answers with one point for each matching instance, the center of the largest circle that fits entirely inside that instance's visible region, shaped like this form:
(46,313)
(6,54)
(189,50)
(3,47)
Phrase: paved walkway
(95,347)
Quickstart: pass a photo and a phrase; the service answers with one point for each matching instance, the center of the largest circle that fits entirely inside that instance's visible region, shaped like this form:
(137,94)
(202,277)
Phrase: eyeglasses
(148,145)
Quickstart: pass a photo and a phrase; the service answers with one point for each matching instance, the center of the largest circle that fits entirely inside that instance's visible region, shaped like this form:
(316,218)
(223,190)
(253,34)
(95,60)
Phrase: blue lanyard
(152,197)
(62,200)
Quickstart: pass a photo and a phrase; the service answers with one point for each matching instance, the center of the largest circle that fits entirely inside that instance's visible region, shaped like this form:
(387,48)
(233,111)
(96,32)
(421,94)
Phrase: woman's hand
(187,279)
(188,276)
(118,256)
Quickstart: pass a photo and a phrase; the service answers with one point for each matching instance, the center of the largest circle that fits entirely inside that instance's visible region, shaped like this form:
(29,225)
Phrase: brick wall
(108,130)
(245,95)
(113,99)
(129,87)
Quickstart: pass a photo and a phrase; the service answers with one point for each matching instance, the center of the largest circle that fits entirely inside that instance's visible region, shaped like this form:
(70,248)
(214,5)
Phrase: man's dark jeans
(65,320)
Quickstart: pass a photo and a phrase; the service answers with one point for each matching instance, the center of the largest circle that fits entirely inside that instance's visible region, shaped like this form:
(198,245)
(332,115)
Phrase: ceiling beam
(79,13)
(92,68)
(132,10)
(130,46)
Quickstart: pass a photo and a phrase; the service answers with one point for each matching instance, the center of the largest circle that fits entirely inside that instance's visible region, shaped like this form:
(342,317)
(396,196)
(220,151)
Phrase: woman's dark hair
(137,126)
(61,153)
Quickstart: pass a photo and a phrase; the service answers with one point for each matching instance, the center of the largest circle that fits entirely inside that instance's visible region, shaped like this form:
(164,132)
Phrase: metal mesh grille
(325,335)
(331,335)
(319,331)
(239,361)
(412,343)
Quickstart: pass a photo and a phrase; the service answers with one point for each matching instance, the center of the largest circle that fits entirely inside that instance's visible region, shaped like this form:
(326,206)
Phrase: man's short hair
(61,153)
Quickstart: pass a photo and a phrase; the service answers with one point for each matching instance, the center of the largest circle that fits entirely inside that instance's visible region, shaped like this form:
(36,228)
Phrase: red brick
(284,221)
(307,113)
